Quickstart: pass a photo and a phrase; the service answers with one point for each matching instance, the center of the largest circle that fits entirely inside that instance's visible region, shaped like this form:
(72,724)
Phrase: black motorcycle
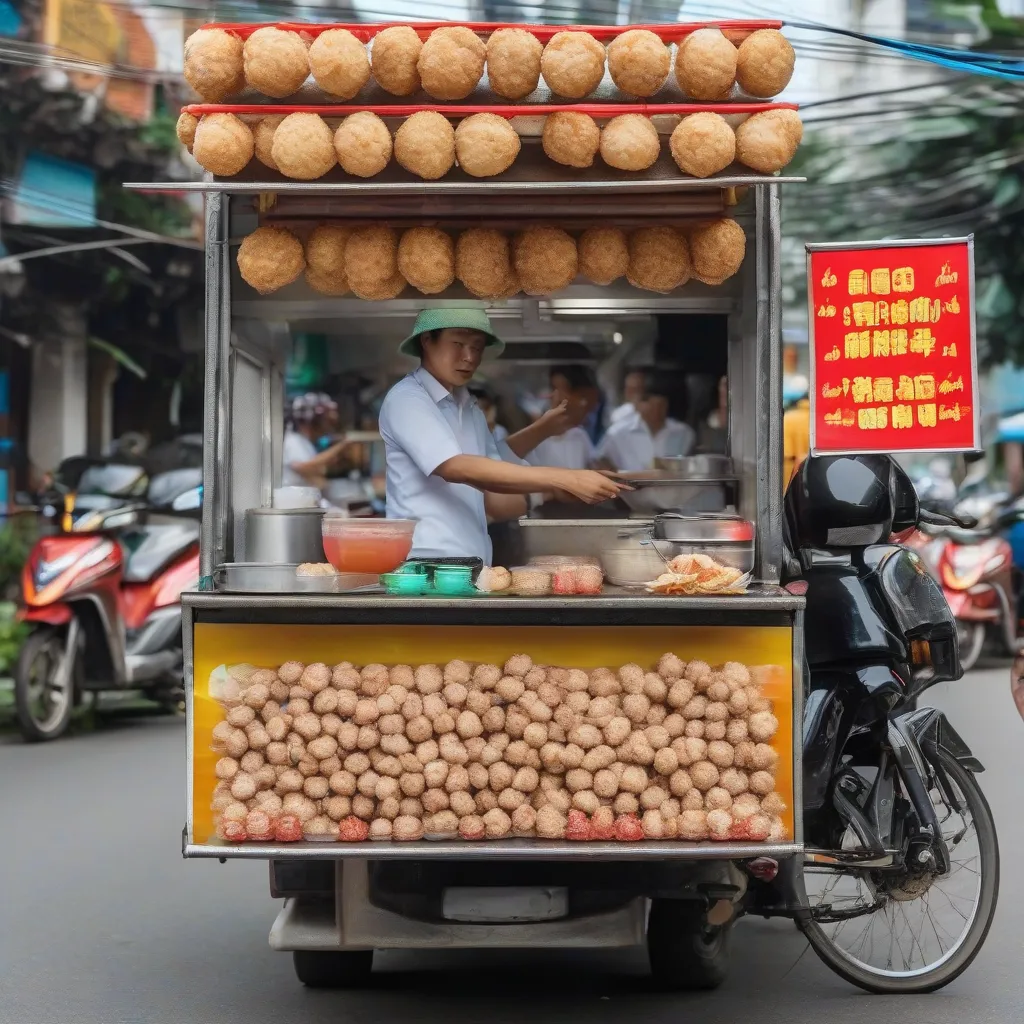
(901,870)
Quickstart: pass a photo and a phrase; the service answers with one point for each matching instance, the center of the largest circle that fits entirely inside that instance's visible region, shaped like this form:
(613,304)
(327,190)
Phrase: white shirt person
(633,442)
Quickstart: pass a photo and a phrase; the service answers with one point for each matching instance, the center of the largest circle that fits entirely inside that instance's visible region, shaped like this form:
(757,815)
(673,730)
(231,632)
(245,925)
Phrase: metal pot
(288,535)
(576,536)
(727,539)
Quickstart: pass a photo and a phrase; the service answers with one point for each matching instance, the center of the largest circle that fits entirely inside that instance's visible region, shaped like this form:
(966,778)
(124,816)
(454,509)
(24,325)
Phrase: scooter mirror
(189,501)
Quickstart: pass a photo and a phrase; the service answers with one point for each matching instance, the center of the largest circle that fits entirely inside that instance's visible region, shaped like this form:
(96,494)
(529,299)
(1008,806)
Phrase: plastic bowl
(405,584)
(453,580)
(375,546)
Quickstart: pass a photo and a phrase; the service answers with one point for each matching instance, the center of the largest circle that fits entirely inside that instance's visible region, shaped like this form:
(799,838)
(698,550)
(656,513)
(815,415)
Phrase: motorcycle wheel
(686,953)
(911,932)
(43,705)
(971,639)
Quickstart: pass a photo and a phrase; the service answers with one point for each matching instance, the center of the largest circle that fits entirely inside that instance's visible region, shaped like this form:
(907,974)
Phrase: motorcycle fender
(51,615)
(934,733)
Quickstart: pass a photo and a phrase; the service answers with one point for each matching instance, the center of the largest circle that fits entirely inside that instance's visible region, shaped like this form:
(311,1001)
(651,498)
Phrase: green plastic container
(405,584)
(453,580)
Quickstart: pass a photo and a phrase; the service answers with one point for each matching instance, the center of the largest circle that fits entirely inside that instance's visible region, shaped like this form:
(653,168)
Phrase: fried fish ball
(303,147)
(764,63)
(545,260)
(223,144)
(766,142)
(339,63)
(483,263)
(485,145)
(425,145)
(706,65)
(185,129)
(393,60)
(213,63)
(451,62)
(270,258)
(513,62)
(371,263)
(263,139)
(639,62)
(325,262)
(659,259)
(362,144)
(276,62)
(716,252)
(426,259)
(703,144)
(571,138)
(572,64)
(630,142)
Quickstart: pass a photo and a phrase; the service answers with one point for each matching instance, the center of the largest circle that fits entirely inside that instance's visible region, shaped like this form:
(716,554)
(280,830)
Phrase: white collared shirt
(622,411)
(297,449)
(571,450)
(630,447)
(423,426)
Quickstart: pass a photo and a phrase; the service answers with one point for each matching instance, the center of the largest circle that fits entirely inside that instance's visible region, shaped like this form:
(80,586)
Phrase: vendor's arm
(506,478)
(553,423)
(316,467)
(500,508)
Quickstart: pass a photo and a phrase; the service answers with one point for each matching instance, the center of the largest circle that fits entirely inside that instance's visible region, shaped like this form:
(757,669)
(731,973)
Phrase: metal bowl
(652,495)
(696,467)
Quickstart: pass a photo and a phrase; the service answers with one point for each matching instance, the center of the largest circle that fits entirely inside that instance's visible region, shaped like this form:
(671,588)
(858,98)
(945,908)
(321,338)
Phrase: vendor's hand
(555,422)
(590,486)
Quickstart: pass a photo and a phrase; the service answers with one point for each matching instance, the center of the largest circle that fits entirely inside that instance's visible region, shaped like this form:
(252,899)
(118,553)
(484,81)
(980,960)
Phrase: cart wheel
(686,953)
(319,969)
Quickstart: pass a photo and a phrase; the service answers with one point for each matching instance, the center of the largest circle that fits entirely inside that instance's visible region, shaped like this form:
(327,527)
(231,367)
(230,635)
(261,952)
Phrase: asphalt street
(102,921)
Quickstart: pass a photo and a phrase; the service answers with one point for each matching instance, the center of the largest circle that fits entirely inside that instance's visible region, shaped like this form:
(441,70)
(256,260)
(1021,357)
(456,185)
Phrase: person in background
(573,391)
(635,441)
(796,436)
(713,433)
(303,465)
(632,392)
(489,406)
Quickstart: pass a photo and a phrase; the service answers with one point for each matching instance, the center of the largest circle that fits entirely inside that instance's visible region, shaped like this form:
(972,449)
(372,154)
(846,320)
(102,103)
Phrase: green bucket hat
(469,318)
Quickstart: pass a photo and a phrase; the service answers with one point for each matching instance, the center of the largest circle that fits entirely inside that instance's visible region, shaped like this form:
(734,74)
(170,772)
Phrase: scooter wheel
(44,706)
(326,969)
(686,953)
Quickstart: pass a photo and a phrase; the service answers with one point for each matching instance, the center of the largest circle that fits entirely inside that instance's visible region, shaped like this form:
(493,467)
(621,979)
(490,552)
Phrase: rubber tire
(682,957)
(326,969)
(988,849)
(970,654)
(27,725)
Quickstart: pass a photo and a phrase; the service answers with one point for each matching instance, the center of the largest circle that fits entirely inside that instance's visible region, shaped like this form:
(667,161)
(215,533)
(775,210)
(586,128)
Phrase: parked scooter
(901,872)
(104,602)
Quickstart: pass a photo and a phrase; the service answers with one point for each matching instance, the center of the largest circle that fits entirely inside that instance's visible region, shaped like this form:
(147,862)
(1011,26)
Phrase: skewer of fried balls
(303,146)
(449,63)
(374,261)
(486,751)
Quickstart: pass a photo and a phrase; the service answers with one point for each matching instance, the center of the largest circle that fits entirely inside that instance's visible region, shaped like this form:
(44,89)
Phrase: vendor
(444,468)
(304,466)
(636,440)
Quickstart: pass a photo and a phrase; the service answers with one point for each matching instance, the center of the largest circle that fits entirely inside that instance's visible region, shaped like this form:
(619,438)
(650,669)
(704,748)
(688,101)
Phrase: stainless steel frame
(897,243)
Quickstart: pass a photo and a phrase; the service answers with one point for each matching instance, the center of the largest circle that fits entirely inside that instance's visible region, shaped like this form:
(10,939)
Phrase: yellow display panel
(585,647)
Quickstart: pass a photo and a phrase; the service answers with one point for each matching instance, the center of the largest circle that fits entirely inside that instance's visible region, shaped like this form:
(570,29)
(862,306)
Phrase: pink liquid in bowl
(367,545)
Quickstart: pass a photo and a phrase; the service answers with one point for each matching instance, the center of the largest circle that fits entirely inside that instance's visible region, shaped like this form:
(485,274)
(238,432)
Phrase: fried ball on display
(371,263)
(764,65)
(485,145)
(513,62)
(630,142)
(572,64)
(571,138)
(659,259)
(639,62)
(545,260)
(393,58)
(483,263)
(717,249)
(362,144)
(270,258)
(185,129)
(325,259)
(451,62)
(339,63)
(222,144)
(213,63)
(303,147)
(276,62)
(263,139)
(603,254)
(766,142)
(426,259)
(706,65)
(425,145)
(703,144)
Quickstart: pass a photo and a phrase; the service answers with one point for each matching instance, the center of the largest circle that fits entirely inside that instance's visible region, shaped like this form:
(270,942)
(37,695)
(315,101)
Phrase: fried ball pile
(425,145)
(545,260)
(603,255)
(394,56)
(451,62)
(325,259)
(303,147)
(223,144)
(213,64)
(263,139)
(573,64)
(513,62)
(659,259)
(338,63)
(371,263)
(276,62)
(485,145)
(363,144)
(639,62)
(185,129)
(426,259)
(717,249)
(270,258)
(706,65)
(484,752)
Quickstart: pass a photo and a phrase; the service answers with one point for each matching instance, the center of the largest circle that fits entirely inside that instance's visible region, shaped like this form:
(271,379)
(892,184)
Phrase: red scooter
(104,603)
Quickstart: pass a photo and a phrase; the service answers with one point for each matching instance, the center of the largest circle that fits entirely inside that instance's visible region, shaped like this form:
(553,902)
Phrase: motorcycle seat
(150,549)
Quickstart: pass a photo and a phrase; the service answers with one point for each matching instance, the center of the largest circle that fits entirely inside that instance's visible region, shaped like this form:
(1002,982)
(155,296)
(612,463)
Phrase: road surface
(101,921)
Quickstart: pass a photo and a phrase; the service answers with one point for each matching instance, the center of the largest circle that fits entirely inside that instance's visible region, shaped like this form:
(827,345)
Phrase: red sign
(892,355)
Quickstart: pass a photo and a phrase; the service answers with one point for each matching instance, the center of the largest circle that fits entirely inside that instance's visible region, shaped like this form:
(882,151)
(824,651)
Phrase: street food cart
(570,790)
